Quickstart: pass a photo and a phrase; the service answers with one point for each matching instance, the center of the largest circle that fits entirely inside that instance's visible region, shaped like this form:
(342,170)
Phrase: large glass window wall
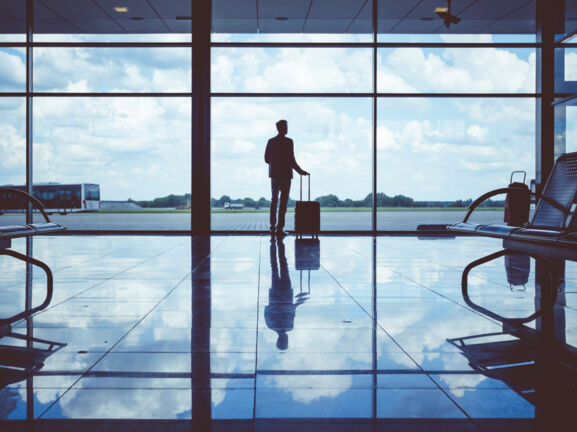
(418,117)
(372,92)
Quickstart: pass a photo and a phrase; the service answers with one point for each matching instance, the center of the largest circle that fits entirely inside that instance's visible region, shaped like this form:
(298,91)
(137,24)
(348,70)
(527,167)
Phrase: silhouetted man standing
(280,157)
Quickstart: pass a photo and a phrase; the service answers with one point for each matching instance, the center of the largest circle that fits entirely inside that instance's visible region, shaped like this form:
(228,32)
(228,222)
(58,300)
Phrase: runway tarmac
(330,221)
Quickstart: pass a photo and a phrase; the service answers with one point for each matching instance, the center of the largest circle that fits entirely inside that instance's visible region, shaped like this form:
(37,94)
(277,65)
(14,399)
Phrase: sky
(427,148)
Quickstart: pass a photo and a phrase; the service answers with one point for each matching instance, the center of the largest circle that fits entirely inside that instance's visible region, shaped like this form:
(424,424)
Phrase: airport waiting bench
(554,224)
(7,233)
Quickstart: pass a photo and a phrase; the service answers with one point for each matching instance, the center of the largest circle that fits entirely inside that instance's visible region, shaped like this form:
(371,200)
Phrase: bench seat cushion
(569,239)
(534,234)
(13,231)
(47,227)
(464,227)
(501,231)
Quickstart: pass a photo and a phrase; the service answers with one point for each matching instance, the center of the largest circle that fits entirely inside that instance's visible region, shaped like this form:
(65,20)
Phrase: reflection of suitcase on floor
(307,215)
(307,254)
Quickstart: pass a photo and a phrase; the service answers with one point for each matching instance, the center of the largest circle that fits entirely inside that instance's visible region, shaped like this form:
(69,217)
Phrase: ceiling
(273,16)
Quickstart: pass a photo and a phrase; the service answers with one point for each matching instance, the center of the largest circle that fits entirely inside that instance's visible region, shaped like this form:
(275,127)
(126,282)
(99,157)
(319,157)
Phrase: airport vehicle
(233,206)
(56,197)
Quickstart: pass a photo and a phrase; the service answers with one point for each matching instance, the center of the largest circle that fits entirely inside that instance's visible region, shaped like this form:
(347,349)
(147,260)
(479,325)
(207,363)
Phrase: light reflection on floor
(242,328)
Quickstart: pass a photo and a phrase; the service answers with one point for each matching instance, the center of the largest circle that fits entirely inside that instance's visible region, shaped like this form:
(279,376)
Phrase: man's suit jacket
(280,157)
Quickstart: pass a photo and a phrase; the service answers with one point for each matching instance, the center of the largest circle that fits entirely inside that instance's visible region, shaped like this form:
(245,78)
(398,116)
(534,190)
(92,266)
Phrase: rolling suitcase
(517,202)
(307,215)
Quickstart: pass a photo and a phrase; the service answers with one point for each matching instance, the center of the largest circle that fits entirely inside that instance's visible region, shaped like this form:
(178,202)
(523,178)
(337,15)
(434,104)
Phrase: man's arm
(267,152)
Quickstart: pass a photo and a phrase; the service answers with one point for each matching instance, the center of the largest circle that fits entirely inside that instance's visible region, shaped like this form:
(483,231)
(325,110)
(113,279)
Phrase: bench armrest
(29,198)
(500,191)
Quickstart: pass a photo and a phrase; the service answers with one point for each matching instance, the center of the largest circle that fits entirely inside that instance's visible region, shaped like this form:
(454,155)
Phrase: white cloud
(477,132)
(12,72)
(241,146)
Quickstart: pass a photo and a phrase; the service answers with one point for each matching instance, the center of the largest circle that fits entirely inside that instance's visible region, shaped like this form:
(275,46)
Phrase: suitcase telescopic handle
(515,172)
(309,176)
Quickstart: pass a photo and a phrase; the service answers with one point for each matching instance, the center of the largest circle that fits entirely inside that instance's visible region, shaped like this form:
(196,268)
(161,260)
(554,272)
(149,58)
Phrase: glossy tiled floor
(229,331)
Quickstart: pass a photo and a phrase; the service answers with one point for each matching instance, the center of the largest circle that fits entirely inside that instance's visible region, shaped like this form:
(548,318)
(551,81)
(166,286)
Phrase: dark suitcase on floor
(307,215)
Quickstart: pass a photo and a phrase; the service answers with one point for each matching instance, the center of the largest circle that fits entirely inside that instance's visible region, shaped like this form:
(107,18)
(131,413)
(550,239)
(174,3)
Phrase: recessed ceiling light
(136,18)
(281,18)
(120,9)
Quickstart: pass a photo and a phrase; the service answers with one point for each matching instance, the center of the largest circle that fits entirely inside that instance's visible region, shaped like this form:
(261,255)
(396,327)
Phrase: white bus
(57,198)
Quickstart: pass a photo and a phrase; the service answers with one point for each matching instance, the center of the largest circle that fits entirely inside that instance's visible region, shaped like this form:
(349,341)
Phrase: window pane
(436,154)
(13,70)
(567,139)
(261,70)
(13,151)
(85,69)
(486,21)
(453,70)
(137,150)
(332,140)
(89,21)
(294,21)
(570,64)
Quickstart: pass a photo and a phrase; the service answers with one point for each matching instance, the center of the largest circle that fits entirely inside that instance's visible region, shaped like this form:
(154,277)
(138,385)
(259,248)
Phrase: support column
(29,89)
(549,15)
(200,187)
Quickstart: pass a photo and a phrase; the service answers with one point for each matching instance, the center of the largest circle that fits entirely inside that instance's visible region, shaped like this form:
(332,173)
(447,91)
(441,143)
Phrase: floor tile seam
(260,258)
(83,262)
(464,307)
(105,280)
(397,343)
(121,339)
(453,268)
(448,267)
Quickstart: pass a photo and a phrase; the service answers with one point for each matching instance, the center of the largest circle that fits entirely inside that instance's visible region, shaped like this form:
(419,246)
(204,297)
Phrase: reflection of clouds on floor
(308,389)
(125,403)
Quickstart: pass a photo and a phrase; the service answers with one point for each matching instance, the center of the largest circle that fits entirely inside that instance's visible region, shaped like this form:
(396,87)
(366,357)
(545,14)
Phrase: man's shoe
(281,233)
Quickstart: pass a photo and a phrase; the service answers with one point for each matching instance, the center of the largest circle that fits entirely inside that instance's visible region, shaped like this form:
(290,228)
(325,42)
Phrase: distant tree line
(383,200)
(170,201)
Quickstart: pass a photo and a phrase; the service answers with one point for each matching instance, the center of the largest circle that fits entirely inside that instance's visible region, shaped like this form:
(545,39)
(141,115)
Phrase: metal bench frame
(10,232)
(554,223)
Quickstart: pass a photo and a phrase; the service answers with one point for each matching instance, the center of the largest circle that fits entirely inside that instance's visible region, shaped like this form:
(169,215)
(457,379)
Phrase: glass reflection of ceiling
(271,16)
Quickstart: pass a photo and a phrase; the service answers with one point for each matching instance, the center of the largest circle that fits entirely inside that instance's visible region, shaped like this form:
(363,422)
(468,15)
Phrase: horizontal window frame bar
(96,94)
(377,44)
(279,44)
(285,95)
(378,95)
(97,44)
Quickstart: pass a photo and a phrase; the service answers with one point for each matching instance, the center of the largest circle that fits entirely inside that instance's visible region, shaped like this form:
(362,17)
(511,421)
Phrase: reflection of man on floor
(280,312)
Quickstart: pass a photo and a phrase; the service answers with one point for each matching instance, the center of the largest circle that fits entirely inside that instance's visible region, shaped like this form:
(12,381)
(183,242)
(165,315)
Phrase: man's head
(282,127)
